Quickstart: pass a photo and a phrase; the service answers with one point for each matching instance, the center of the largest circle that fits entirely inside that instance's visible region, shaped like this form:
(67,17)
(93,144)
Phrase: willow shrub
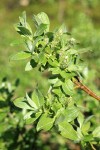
(57,53)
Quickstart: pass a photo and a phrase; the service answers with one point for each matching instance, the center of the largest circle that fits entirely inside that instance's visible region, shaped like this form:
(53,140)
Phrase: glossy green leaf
(21,55)
(67,131)
(45,123)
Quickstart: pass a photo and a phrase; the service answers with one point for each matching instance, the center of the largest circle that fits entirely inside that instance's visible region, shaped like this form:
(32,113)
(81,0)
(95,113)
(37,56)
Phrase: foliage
(58,53)
(14,133)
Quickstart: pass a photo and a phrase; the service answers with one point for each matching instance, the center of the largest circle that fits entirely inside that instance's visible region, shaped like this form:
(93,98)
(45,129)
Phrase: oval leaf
(67,131)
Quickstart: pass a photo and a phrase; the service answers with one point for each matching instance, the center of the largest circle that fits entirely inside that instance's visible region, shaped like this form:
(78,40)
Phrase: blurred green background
(82,19)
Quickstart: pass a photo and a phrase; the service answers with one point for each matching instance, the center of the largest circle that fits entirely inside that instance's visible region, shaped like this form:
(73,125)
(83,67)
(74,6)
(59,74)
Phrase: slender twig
(80,85)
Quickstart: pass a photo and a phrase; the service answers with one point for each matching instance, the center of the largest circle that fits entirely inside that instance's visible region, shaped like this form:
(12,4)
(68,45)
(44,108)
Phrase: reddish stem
(86,89)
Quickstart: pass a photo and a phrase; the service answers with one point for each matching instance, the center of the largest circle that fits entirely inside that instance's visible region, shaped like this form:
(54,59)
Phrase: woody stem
(86,89)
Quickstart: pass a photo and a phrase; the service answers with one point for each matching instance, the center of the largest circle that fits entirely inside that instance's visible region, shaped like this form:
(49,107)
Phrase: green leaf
(67,131)
(53,63)
(70,113)
(45,123)
(36,20)
(30,65)
(40,30)
(38,98)
(20,102)
(23,31)
(31,102)
(58,83)
(96,132)
(68,87)
(53,81)
(42,59)
(88,138)
(33,118)
(44,19)
(35,42)
(29,44)
(28,114)
(80,119)
(55,70)
(85,128)
(79,133)
(21,55)
(23,18)
(66,75)
(57,91)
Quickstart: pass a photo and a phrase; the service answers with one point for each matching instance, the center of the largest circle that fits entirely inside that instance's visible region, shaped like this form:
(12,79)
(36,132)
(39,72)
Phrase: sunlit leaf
(20,102)
(68,87)
(96,132)
(30,65)
(33,117)
(31,102)
(67,131)
(40,30)
(45,123)
(38,98)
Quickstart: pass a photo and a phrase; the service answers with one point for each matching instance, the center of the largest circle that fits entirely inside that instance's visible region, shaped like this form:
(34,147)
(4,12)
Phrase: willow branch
(86,89)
